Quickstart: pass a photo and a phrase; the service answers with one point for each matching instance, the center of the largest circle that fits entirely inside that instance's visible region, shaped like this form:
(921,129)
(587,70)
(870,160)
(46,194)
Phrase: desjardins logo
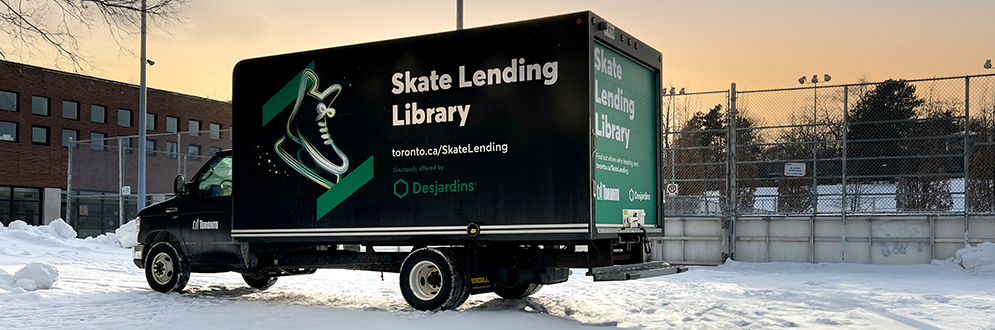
(402,188)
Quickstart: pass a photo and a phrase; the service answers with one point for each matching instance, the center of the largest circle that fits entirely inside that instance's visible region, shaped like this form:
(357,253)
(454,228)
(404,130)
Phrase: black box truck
(501,156)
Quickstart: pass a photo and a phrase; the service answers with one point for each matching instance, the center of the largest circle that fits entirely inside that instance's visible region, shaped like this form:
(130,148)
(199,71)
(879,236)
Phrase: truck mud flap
(635,271)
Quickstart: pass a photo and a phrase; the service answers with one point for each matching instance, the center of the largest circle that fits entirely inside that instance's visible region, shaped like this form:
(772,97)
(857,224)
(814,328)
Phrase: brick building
(41,109)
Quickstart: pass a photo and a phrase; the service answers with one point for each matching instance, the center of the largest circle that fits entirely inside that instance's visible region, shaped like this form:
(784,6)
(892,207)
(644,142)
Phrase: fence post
(733,169)
(815,167)
(120,181)
(967,161)
(179,142)
(844,206)
(69,184)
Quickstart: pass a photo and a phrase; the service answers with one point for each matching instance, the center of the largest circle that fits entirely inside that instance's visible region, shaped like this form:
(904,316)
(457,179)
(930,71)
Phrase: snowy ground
(99,287)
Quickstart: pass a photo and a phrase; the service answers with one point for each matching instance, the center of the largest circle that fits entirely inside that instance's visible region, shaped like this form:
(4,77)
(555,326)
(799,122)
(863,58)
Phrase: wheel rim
(162,268)
(425,280)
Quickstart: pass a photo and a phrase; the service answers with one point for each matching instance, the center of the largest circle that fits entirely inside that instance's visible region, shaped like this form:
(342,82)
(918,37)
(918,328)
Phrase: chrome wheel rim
(162,268)
(425,280)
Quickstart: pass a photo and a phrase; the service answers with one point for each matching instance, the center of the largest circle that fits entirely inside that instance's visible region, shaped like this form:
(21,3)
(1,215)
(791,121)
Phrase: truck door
(207,210)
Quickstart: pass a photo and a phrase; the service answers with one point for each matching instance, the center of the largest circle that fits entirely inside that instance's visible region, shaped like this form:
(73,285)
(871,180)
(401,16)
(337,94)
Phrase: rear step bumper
(635,271)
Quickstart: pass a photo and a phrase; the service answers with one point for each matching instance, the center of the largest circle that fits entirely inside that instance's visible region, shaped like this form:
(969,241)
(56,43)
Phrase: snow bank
(62,229)
(977,258)
(6,280)
(106,239)
(32,277)
(58,228)
(18,225)
(127,235)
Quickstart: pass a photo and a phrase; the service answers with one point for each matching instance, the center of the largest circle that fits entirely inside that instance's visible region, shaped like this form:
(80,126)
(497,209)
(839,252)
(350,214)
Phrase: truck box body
(543,130)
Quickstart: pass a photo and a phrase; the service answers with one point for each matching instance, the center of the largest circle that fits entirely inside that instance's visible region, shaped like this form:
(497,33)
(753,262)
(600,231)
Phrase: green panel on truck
(625,123)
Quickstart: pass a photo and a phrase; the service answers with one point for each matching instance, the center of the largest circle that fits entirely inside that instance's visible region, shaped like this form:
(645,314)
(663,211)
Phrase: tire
(166,269)
(259,282)
(516,291)
(433,279)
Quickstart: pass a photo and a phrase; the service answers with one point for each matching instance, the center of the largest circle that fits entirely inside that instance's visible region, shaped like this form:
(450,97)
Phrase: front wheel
(166,269)
(516,291)
(433,279)
(258,281)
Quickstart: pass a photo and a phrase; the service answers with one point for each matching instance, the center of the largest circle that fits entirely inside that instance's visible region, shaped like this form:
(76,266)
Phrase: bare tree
(57,24)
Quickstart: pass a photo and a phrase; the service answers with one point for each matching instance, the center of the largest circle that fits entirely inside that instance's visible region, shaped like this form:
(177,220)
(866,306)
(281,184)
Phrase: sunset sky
(706,44)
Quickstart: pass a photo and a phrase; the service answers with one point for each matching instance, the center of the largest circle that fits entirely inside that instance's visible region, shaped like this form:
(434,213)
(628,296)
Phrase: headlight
(138,224)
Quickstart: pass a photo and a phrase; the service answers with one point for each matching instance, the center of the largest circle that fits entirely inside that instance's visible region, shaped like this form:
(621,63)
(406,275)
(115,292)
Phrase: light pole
(141,122)
(815,137)
(459,15)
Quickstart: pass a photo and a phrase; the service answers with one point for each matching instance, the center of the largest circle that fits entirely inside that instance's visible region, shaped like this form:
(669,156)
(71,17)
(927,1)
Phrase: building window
(8,131)
(149,121)
(18,203)
(39,135)
(97,141)
(215,131)
(172,124)
(172,149)
(69,134)
(214,150)
(8,101)
(194,127)
(39,105)
(98,114)
(126,144)
(70,109)
(194,151)
(150,148)
(124,117)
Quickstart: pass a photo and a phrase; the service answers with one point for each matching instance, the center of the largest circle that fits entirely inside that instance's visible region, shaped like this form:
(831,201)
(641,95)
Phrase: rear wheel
(259,281)
(433,279)
(516,291)
(166,269)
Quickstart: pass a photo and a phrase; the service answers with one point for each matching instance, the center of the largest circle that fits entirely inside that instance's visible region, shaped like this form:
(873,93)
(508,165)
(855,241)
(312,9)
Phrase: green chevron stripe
(284,97)
(345,188)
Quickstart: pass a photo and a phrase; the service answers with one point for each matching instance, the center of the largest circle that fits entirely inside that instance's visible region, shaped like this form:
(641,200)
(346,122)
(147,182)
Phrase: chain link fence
(694,152)
(103,174)
(894,147)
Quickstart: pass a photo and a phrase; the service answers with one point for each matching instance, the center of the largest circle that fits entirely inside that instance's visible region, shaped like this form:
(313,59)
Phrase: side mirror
(180,185)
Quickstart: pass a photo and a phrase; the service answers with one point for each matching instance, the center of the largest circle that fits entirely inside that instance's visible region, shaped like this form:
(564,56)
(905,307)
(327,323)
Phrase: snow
(18,225)
(127,235)
(37,275)
(100,288)
(977,258)
(62,229)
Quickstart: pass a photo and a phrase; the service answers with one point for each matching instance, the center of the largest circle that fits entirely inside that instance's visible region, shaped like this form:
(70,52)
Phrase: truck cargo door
(625,124)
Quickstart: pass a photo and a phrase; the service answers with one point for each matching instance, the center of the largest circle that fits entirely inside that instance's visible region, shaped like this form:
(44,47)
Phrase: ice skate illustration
(296,147)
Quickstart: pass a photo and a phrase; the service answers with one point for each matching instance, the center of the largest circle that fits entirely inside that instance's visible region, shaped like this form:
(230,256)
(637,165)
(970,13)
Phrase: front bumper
(136,254)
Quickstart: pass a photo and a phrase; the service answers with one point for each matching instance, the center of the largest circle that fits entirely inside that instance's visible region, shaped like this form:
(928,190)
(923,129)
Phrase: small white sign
(126,190)
(672,189)
(794,169)
(610,30)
